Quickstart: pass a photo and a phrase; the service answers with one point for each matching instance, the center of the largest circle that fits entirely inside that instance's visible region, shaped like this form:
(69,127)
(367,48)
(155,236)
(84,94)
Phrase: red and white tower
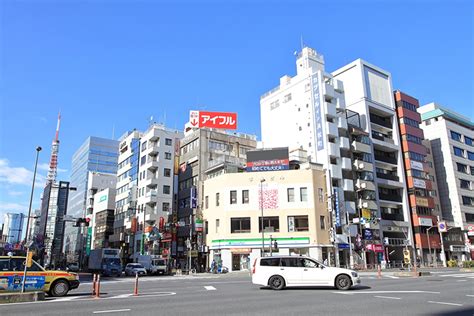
(53,162)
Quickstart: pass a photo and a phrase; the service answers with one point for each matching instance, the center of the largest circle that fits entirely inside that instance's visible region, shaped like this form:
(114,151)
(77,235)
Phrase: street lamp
(38,149)
(261,209)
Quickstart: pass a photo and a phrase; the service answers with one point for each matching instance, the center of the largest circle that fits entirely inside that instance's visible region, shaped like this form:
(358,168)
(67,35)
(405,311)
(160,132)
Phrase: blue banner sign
(317,111)
(336,208)
(12,283)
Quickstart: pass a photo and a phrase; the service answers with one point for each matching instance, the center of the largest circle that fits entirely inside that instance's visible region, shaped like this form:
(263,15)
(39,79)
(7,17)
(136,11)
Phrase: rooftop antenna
(151,120)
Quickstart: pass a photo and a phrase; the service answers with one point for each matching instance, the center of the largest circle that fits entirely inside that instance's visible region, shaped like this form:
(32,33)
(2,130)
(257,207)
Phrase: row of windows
(363,156)
(414,156)
(190,147)
(410,122)
(467,200)
(465,169)
(298,223)
(412,138)
(409,106)
(462,153)
(245,196)
(458,137)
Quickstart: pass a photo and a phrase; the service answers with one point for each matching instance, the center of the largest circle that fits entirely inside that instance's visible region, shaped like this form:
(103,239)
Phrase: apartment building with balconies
(307,111)
(419,178)
(451,137)
(368,92)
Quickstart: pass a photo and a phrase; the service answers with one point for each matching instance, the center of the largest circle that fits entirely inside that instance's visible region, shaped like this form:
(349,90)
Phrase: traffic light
(81,221)
(406,256)
(29,259)
(87,221)
(275,246)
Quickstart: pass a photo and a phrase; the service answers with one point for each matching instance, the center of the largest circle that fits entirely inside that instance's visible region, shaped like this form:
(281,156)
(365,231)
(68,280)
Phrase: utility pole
(261,209)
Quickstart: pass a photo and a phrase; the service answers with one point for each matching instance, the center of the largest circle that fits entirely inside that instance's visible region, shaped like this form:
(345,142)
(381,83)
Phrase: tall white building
(144,188)
(451,137)
(346,121)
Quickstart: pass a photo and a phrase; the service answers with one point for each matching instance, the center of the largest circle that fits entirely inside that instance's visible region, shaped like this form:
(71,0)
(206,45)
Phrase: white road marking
(459,275)
(391,276)
(461,280)
(389,297)
(445,303)
(386,292)
(112,311)
(210,288)
(469,295)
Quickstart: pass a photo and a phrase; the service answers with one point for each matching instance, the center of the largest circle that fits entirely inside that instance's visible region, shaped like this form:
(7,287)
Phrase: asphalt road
(444,293)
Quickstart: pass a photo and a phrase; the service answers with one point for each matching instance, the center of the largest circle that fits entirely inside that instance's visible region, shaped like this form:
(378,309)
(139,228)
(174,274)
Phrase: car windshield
(159,262)
(112,261)
(135,265)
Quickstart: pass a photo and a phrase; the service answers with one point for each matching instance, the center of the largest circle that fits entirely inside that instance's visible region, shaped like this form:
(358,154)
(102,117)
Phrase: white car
(135,268)
(286,271)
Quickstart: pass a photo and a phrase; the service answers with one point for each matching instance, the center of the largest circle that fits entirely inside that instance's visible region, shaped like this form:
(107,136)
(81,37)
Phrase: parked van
(286,271)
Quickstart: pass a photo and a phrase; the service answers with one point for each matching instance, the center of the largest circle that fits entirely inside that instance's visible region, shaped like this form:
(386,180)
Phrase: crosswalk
(458,275)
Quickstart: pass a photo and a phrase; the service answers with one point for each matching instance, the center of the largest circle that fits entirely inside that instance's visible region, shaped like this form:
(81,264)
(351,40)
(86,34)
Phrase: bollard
(135,291)
(93,284)
(415,275)
(379,272)
(97,287)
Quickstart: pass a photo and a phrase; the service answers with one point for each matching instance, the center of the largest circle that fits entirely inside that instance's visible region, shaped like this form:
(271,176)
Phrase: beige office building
(295,215)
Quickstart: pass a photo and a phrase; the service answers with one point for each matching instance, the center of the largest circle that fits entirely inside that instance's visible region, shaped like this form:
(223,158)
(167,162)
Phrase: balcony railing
(387,176)
(397,241)
(388,159)
(390,197)
(379,121)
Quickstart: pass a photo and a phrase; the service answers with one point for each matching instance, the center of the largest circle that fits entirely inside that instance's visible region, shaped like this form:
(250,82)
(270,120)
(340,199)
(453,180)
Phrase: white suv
(285,271)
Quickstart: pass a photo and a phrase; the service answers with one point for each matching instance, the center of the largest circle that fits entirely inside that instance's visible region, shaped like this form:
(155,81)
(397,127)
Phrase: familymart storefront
(238,254)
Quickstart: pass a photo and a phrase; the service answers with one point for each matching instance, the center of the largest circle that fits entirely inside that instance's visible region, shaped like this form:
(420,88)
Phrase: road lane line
(391,276)
(112,311)
(469,295)
(461,280)
(210,288)
(445,303)
(386,292)
(389,297)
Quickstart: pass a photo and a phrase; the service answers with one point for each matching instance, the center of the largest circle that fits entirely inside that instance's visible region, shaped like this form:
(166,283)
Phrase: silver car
(135,268)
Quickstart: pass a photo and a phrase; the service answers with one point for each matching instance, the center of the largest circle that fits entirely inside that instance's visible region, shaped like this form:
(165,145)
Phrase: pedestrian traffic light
(87,221)
(29,259)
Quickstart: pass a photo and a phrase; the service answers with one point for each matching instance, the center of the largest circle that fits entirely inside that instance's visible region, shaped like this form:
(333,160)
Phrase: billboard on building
(268,159)
(223,120)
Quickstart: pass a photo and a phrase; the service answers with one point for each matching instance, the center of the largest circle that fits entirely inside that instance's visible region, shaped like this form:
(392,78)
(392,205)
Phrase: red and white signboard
(223,120)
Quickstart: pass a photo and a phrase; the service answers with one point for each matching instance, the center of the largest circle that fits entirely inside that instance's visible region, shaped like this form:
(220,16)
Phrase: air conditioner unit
(360,166)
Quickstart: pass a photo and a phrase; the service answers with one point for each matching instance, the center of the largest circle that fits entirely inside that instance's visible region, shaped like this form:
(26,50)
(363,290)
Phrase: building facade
(145,182)
(421,192)
(102,218)
(203,154)
(13,227)
(96,154)
(294,209)
(451,138)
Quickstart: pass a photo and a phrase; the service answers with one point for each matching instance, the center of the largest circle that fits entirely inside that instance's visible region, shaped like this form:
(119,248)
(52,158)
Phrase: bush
(468,264)
(452,263)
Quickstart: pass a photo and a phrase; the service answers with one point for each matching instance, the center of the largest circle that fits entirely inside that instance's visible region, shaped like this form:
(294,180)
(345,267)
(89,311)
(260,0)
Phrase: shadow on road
(468,311)
(356,288)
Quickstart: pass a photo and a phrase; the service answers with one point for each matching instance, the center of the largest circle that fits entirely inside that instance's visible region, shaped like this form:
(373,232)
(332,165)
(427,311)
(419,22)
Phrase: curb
(6,298)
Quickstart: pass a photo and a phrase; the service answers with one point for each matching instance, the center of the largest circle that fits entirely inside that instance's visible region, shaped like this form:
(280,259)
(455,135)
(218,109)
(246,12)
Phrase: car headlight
(354,274)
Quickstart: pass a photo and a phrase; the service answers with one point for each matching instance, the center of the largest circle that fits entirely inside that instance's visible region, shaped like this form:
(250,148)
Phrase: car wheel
(343,282)
(59,288)
(276,282)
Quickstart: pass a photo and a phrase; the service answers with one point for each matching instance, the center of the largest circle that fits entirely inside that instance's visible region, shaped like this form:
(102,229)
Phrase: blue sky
(110,65)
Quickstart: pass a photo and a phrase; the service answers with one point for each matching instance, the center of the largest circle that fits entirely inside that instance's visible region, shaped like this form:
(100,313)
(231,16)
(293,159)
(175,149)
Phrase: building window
(468,140)
(166,207)
(142,160)
(168,156)
(240,225)
(270,224)
(144,146)
(455,136)
(245,196)
(409,106)
(217,199)
(167,172)
(206,202)
(461,168)
(472,170)
(298,223)
(166,189)
(470,155)
(465,184)
(168,141)
(217,225)
(469,217)
(233,197)
(458,151)
(321,195)
(287,98)
(467,200)
(291,194)
(304,194)
(321,222)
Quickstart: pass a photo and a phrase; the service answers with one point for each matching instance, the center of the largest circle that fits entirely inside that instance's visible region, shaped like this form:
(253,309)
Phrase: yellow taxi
(54,283)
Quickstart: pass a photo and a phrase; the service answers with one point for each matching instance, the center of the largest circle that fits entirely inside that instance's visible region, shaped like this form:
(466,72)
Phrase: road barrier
(135,290)
(94,280)
(97,287)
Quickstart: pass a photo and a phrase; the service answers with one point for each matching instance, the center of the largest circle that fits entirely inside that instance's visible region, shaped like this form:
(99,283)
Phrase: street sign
(442,227)
(223,120)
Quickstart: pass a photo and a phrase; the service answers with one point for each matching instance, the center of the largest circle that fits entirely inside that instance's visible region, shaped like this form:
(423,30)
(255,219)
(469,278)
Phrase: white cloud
(17,175)
(45,166)
(13,207)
